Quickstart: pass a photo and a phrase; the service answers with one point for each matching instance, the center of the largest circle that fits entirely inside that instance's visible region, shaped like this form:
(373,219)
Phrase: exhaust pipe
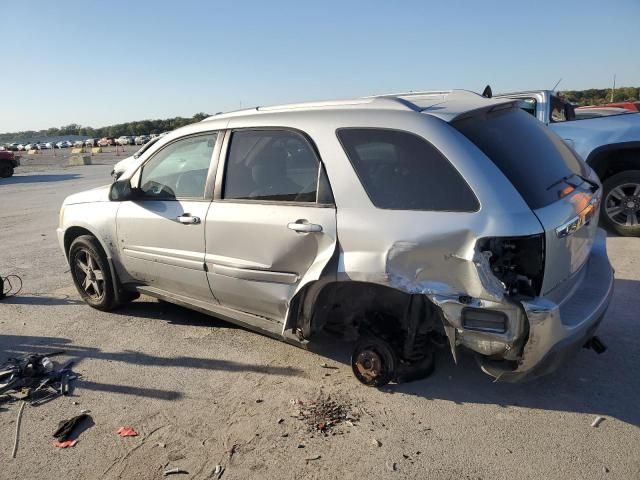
(595,344)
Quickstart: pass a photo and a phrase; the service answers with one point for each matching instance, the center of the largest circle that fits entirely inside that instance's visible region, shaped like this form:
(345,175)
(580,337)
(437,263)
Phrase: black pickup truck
(8,162)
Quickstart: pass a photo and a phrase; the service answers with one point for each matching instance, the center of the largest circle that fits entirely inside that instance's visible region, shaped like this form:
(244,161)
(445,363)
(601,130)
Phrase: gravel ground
(202,392)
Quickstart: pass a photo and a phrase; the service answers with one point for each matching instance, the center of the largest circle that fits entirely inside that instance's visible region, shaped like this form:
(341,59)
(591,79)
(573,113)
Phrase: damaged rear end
(559,280)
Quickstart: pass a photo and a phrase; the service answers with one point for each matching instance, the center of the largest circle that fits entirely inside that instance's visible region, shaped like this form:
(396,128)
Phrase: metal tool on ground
(35,379)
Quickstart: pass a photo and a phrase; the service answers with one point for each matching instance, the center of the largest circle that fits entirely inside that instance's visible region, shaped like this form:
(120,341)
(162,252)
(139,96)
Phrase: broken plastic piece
(597,421)
(127,432)
(174,471)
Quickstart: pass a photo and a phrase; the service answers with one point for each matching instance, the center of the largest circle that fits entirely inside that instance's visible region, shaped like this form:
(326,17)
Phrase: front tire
(620,211)
(91,273)
(6,171)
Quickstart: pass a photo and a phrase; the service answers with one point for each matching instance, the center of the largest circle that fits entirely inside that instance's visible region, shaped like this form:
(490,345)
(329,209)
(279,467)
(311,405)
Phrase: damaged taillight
(518,262)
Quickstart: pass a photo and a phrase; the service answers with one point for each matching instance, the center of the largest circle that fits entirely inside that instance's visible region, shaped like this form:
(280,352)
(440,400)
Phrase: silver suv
(400,222)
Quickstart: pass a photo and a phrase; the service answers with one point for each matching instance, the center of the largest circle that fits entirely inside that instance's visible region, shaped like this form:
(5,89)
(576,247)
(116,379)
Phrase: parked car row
(89,142)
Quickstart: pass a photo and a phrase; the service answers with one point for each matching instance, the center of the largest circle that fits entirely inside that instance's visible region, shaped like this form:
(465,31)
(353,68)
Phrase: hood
(100,194)
(586,135)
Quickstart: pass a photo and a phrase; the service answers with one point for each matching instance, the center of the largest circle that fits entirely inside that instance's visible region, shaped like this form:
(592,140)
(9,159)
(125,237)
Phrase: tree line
(141,127)
(592,96)
(600,96)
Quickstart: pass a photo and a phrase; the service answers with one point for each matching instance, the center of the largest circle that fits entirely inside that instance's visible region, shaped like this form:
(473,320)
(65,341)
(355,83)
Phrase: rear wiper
(594,185)
(563,179)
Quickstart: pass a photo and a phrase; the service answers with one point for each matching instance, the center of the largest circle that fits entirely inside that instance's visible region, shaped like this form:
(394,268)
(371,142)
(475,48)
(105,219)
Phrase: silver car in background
(397,222)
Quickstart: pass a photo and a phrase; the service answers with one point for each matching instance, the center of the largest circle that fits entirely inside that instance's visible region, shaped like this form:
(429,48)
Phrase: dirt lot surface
(201,392)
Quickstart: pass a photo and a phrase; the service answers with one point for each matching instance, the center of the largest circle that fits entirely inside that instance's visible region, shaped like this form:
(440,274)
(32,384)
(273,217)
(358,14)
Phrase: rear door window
(402,171)
(532,157)
(271,165)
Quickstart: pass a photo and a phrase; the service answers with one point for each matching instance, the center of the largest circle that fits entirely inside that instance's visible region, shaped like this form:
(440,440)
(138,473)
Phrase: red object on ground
(127,432)
(65,444)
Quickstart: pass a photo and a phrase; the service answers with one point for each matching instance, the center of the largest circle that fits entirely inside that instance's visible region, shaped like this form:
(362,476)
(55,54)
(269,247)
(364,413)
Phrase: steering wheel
(156,189)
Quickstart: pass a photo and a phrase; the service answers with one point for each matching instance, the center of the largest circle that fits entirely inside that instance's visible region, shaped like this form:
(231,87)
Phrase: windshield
(532,157)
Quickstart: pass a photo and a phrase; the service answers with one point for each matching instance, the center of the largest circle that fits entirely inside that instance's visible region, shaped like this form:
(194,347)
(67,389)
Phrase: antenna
(556,85)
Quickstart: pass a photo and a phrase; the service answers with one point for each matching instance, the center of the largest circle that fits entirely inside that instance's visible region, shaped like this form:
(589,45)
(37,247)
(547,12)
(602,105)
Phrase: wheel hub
(369,364)
(631,204)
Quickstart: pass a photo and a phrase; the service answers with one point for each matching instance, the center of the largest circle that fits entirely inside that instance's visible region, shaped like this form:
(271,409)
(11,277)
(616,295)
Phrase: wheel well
(348,308)
(611,161)
(71,234)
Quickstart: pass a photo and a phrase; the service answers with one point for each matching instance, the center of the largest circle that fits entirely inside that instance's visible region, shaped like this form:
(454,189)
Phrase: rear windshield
(532,157)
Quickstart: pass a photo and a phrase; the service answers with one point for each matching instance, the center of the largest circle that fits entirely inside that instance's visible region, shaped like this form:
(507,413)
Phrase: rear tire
(620,210)
(91,273)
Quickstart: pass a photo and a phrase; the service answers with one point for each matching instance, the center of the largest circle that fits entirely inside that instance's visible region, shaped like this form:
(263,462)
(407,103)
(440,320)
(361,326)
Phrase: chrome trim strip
(255,275)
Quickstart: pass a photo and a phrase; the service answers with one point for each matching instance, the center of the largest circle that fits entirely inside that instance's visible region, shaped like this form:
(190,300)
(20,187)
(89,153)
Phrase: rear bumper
(558,329)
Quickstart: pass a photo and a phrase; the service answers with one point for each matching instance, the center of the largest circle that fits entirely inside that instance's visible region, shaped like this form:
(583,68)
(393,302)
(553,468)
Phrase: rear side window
(531,156)
(402,171)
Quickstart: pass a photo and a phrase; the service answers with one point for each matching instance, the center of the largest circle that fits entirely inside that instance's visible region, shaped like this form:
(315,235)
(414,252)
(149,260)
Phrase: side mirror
(121,191)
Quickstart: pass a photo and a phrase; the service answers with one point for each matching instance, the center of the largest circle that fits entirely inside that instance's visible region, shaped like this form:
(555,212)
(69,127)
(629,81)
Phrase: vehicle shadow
(589,383)
(40,300)
(13,346)
(171,313)
(40,178)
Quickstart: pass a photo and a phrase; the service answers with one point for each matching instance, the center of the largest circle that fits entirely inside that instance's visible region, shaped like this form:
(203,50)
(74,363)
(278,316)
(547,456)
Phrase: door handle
(303,226)
(187,219)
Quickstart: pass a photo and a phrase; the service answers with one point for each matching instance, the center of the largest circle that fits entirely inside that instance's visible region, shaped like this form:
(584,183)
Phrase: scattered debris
(597,421)
(301,445)
(127,432)
(218,471)
(231,451)
(175,456)
(605,470)
(161,445)
(66,427)
(284,435)
(259,400)
(325,365)
(280,420)
(393,466)
(316,457)
(173,471)
(35,379)
(376,442)
(65,444)
(18,422)
(85,411)
(325,414)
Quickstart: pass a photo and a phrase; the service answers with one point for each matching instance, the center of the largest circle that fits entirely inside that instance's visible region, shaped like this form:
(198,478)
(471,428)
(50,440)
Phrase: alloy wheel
(623,204)
(89,275)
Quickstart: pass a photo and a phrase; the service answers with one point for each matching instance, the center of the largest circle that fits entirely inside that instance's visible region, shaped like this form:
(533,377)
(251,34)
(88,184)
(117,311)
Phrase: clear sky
(102,62)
